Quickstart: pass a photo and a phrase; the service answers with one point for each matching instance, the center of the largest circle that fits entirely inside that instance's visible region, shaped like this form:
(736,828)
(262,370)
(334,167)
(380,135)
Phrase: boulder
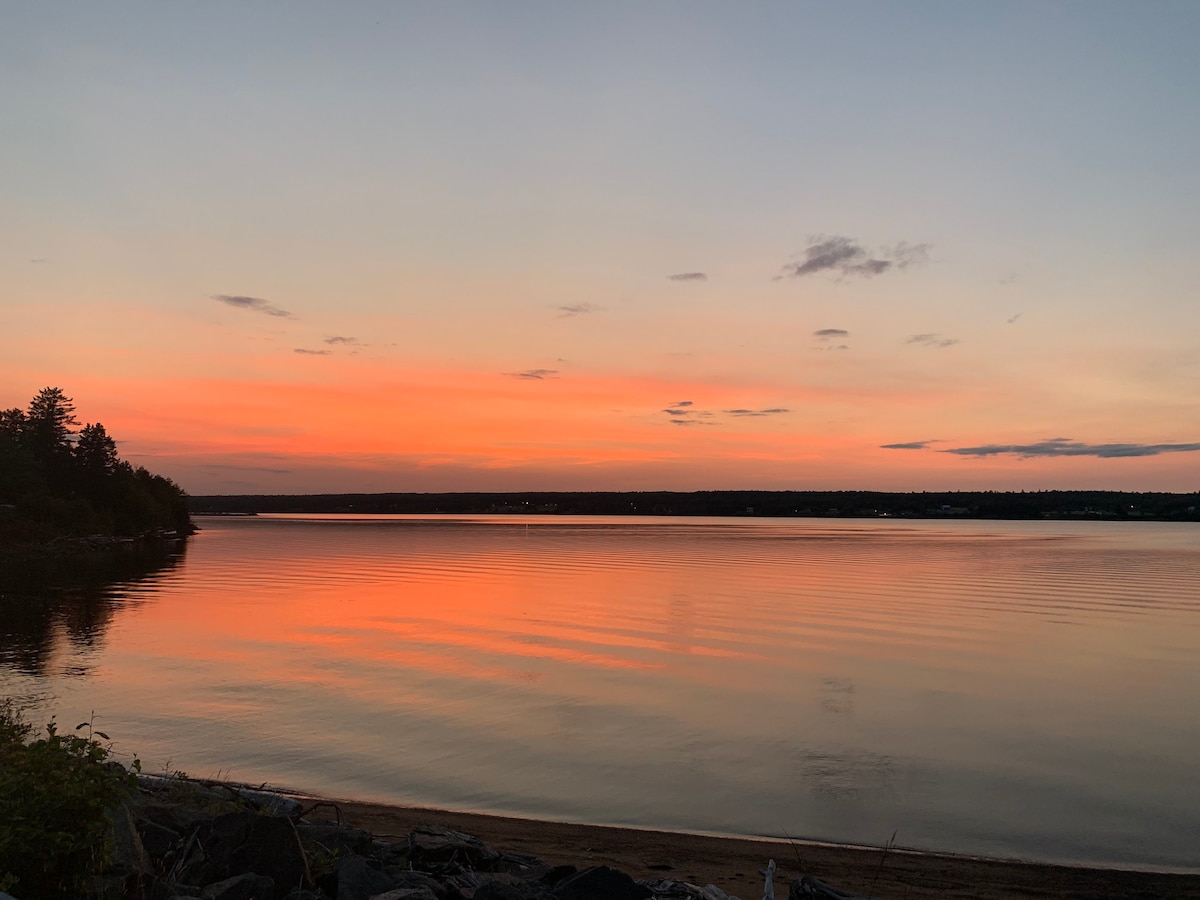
(434,848)
(246,842)
(357,879)
(600,883)
(337,839)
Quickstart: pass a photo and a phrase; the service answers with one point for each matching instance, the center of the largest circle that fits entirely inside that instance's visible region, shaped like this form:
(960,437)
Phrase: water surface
(1010,689)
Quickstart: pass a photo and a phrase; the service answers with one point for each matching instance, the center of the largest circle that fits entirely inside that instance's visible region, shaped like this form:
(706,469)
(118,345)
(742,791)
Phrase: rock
(600,883)
(406,880)
(243,842)
(240,887)
(338,839)
(157,839)
(358,880)
(555,874)
(435,848)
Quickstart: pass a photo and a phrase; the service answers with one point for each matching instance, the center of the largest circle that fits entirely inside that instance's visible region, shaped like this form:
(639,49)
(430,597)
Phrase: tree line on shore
(60,480)
(858,504)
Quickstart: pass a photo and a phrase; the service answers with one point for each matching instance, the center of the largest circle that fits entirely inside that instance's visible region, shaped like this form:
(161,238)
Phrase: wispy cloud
(846,256)
(255,304)
(1011,319)
(577,309)
(931,340)
(308,352)
(908,445)
(533,374)
(1068,447)
(680,408)
(826,334)
(346,341)
(688,276)
(684,412)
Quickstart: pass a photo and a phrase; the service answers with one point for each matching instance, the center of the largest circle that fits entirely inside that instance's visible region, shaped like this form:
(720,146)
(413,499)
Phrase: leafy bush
(54,791)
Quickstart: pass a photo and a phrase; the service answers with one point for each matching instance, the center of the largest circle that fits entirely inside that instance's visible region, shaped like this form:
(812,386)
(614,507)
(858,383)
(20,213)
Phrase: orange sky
(570,259)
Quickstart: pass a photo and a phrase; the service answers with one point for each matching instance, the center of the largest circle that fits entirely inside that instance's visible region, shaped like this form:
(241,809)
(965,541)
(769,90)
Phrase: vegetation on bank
(56,791)
(58,480)
(855,504)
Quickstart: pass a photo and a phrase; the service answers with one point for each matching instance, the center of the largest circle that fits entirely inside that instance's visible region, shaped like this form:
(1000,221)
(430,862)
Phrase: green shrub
(54,790)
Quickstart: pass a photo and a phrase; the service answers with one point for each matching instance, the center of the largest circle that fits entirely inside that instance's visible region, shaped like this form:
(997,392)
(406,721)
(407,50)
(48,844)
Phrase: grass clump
(55,838)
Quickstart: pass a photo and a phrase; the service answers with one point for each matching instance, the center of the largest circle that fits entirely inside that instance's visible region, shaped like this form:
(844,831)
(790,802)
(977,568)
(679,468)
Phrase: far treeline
(59,481)
(851,504)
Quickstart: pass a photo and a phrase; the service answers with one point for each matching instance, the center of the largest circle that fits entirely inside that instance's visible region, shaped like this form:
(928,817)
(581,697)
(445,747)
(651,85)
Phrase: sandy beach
(733,864)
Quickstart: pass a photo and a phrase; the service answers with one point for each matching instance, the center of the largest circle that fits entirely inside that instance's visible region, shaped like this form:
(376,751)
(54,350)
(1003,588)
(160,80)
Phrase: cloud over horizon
(255,304)
(533,374)
(688,276)
(931,340)
(312,352)
(1057,447)
(907,445)
(682,412)
(577,309)
(755,412)
(846,256)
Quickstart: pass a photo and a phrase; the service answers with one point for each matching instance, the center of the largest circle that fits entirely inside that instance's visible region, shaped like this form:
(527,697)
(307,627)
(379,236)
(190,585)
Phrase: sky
(317,248)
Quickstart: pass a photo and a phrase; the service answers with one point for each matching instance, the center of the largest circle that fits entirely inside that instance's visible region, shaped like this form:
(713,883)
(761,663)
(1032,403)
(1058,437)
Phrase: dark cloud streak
(846,256)
(1057,447)
(533,374)
(578,309)
(931,340)
(255,304)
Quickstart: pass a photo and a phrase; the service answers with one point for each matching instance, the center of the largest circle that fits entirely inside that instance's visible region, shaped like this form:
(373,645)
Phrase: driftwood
(769,885)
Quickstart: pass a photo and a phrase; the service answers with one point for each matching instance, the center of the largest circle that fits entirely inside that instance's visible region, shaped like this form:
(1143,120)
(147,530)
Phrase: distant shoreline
(1001,505)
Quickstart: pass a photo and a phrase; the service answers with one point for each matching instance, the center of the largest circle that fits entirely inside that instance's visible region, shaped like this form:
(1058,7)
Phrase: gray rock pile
(186,839)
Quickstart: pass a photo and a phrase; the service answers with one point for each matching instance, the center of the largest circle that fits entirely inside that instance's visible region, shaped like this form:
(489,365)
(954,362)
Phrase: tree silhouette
(48,421)
(95,451)
(54,483)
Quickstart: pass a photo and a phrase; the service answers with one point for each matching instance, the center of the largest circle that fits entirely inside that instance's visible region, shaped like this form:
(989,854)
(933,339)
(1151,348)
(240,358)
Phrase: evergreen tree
(48,422)
(95,451)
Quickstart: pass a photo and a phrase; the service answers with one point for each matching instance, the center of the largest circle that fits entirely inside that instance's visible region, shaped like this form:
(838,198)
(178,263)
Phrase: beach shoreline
(733,864)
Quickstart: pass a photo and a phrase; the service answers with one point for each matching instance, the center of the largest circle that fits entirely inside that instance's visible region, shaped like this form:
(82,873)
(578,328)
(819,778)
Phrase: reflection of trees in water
(73,601)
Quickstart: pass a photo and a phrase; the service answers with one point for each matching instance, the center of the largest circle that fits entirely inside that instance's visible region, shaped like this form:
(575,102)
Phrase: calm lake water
(1025,689)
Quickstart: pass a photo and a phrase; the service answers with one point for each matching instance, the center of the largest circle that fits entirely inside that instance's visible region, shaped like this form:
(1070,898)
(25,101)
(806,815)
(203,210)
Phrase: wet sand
(733,864)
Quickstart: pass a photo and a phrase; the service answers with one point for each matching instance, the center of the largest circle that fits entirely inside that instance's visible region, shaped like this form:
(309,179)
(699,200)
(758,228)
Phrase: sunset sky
(301,247)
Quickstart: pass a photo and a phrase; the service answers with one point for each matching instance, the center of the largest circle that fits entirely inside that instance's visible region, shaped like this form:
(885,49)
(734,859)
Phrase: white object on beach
(769,887)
